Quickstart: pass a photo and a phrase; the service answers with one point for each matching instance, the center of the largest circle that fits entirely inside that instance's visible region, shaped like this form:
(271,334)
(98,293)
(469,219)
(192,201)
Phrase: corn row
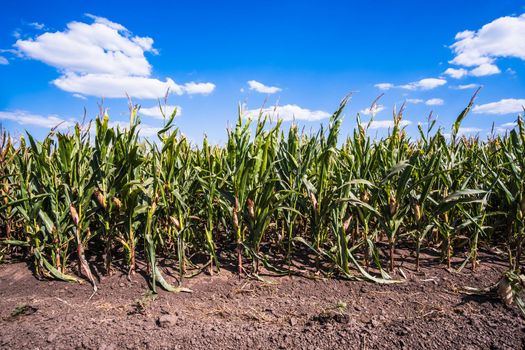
(268,196)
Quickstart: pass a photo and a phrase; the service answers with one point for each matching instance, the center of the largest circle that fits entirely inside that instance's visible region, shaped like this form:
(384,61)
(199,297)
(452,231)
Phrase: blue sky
(59,57)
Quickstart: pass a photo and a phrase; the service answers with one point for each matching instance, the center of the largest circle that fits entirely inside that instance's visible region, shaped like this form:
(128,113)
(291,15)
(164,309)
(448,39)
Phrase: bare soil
(225,312)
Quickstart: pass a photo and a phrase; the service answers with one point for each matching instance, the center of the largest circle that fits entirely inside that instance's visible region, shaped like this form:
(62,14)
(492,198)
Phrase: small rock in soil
(166,321)
(51,338)
(375,323)
(331,317)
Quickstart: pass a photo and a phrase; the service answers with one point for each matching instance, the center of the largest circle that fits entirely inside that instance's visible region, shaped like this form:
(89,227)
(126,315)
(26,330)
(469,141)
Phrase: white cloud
(155,111)
(113,86)
(372,111)
(465,87)
(504,106)
(467,130)
(434,102)
(3,60)
(88,48)
(510,125)
(264,89)
(484,70)
(199,88)
(502,37)
(456,73)
(504,128)
(288,113)
(384,86)
(103,59)
(385,124)
(82,97)
(30,119)
(430,102)
(424,84)
(106,22)
(37,25)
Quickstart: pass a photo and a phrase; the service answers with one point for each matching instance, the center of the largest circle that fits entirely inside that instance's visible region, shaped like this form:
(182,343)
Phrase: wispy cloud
(384,124)
(505,127)
(423,84)
(3,60)
(384,86)
(501,107)
(469,130)
(372,111)
(288,112)
(429,102)
(37,120)
(103,59)
(465,87)
(510,125)
(435,102)
(82,97)
(264,89)
(37,25)
(157,111)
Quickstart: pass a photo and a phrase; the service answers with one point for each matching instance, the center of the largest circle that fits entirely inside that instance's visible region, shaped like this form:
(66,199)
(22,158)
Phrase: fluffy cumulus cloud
(501,107)
(264,89)
(198,88)
(384,124)
(375,109)
(30,119)
(160,112)
(456,73)
(434,102)
(103,58)
(480,49)
(484,70)
(414,101)
(288,113)
(423,84)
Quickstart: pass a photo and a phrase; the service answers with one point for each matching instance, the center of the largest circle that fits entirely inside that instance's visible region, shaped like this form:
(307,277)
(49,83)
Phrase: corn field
(266,199)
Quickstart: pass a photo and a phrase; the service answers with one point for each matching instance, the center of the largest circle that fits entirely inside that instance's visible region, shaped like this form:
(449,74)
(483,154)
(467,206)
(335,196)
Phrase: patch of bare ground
(225,312)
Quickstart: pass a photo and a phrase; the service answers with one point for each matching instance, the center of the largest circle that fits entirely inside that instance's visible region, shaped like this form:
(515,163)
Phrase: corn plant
(82,194)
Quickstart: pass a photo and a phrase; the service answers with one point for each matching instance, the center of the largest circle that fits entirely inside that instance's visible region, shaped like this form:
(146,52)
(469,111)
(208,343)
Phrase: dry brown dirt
(225,312)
